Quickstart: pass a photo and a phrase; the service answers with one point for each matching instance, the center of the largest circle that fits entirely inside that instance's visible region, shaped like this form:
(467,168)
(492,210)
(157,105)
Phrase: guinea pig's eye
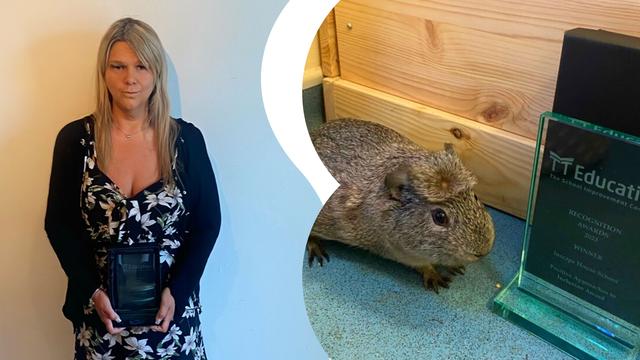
(440,217)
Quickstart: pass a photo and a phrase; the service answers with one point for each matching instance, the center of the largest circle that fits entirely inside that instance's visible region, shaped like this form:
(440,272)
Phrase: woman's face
(129,82)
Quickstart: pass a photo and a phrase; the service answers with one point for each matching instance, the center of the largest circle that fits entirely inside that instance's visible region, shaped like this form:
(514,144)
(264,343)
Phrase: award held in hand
(134,284)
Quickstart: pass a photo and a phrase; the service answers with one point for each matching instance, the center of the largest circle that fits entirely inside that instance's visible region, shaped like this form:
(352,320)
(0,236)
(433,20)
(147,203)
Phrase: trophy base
(141,317)
(578,338)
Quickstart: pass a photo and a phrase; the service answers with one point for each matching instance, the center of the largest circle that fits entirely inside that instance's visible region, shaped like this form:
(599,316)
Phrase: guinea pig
(399,201)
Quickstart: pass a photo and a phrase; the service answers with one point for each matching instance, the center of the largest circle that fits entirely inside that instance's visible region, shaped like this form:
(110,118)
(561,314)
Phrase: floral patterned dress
(154,215)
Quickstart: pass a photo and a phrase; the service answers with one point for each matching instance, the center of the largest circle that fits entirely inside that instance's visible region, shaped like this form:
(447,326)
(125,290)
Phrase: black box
(599,79)
(134,284)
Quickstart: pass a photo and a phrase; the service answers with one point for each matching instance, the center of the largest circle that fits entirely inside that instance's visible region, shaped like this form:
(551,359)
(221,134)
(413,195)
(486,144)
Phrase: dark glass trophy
(577,286)
(134,284)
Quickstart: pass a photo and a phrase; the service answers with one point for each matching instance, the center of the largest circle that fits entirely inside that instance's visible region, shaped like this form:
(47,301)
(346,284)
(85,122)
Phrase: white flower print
(152,200)
(117,338)
(113,188)
(123,210)
(149,238)
(138,345)
(87,180)
(147,221)
(91,200)
(101,261)
(190,310)
(84,335)
(109,186)
(108,207)
(121,231)
(135,210)
(189,342)
(102,229)
(159,199)
(113,225)
(90,162)
(199,353)
(165,200)
(174,244)
(165,257)
(170,351)
(105,356)
(88,309)
(169,231)
(177,194)
(174,334)
(139,329)
(173,217)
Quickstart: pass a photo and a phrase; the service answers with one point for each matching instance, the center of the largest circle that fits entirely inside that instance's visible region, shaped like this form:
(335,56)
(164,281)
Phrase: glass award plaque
(134,284)
(577,286)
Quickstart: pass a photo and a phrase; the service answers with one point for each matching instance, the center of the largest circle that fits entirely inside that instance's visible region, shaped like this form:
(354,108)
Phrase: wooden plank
(492,61)
(313,66)
(312,77)
(313,57)
(538,19)
(502,161)
(329,97)
(329,46)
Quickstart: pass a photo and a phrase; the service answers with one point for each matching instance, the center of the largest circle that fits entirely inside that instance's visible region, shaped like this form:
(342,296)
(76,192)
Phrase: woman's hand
(105,311)
(165,312)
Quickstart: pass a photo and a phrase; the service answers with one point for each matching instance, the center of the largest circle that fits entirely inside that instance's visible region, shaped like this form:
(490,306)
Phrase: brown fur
(389,187)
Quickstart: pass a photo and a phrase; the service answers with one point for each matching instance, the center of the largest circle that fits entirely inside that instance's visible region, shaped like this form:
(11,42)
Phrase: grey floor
(365,307)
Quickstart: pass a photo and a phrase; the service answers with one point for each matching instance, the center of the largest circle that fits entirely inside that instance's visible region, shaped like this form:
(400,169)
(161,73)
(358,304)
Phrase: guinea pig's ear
(444,176)
(397,182)
(448,147)
(447,183)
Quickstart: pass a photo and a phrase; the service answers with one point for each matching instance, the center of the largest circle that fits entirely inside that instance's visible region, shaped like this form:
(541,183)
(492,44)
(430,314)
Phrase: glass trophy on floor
(578,283)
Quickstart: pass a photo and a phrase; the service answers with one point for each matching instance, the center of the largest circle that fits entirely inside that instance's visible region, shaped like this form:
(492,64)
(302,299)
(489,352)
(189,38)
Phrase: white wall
(252,288)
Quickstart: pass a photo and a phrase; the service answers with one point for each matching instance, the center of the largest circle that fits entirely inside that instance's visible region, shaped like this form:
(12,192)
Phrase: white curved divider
(286,53)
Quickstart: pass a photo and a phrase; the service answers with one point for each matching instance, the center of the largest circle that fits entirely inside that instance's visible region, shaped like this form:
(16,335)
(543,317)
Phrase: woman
(127,175)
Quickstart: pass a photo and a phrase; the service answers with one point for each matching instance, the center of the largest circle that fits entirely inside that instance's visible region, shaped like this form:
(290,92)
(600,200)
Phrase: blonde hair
(145,43)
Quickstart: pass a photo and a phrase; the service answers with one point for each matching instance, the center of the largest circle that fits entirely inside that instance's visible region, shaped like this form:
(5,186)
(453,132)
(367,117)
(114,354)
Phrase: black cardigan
(64,225)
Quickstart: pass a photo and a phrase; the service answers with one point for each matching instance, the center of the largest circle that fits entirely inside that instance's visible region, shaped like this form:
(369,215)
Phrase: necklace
(126,135)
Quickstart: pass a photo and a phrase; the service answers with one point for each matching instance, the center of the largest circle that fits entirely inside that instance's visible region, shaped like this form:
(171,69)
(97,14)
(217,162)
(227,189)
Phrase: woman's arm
(63,222)
(204,218)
